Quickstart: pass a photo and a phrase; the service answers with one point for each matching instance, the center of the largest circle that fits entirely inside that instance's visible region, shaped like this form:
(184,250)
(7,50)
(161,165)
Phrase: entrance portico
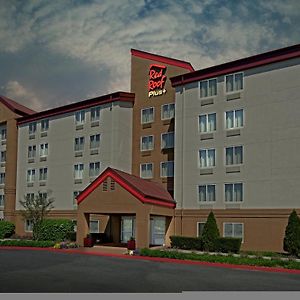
(136,207)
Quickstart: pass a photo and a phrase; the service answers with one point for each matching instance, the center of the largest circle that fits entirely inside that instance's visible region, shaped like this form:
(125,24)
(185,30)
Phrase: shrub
(27,243)
(228,244)
(65,245)
(183,242)
(210,233)
(55,230)
(6,229)
(291,242)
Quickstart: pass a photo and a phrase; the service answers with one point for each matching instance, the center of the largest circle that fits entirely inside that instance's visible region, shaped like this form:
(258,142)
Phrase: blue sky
(57,52)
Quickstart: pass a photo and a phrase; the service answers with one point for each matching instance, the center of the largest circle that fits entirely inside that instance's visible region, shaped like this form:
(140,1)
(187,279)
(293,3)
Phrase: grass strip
(27,243)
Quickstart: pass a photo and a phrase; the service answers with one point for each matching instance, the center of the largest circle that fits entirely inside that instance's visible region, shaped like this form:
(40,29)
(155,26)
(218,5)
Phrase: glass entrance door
(127,228)
(158,230)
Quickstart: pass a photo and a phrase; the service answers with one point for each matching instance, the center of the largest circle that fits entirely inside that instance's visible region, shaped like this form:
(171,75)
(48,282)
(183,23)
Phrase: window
(94,226)
(167,169)
(94,141)
(234,155)
(234,118)
(234,82)
(2,178)
(95,114)
(233,192)
(147,115)
(78,171)
(167,111)
(30,196)
(208,123)
(3,156)
(28,225)
(146,170)
(233,230)
(94,169)
(207,193)
(79,144)
(147,143)
(32,128)
(207,158)
(80,117)
(43,195)
(75,225)
(3,134)
(2,200)
(75,194)
(31,151)
(200,228)
(31,175)
(43,174)
(44,125)
(44,150)
(167,140)
(208,88)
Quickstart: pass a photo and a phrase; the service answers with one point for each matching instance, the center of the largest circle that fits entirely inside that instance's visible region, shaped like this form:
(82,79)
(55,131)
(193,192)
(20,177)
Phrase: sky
(53,53)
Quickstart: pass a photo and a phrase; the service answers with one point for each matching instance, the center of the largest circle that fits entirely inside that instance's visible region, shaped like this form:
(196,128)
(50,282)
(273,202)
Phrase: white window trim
(45,130)
(94,162)
(198,227)
(78,163)
(141,170)
(97,147)
(40,150)
(161,140)
(234,110)
(25,229)
(199,160)
(199,88)
(80,122)
(234,91)
(224,193)
(145,108)
(98,226)
(31,175)
(160,171)
(141,143)
(161,111)
(206,202)
(95,107)
(3,197)
(234,165)
(206,114)
(243,237)
(43,180)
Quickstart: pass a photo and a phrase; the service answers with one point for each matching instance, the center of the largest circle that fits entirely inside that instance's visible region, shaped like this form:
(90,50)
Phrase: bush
(291,242)
(65,245)
(6,229)
(27,243)
(55,230)
(210,233)
(228,244)
(183,242)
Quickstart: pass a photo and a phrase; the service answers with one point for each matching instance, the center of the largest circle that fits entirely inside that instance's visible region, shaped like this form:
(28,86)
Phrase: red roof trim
(167,60)
(110,173)
(239,65)
(118,96)
(16,107)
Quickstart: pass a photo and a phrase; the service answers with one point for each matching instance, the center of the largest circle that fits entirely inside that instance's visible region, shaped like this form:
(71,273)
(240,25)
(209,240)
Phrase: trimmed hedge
(221,244)
(55,230)
(27,243)
(6,229)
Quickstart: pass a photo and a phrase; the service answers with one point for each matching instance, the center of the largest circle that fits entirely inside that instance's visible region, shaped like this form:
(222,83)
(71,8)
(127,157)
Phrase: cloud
(16,91)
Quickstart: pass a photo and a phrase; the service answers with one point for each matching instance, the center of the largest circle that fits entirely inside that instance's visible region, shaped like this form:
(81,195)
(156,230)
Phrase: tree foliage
(291,242)
(210,233)
(36,209)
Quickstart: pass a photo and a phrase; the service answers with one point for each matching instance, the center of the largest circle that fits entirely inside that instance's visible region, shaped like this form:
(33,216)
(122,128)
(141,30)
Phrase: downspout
(182,164)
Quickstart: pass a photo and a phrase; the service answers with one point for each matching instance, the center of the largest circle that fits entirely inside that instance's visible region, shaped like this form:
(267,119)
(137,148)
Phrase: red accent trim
(161,259)
(16,107)
(239,65)
(109,173)
(167,60)
(118,96)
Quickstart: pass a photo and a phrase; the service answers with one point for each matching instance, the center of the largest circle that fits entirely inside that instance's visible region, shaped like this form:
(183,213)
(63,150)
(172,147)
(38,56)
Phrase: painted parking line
(160,259)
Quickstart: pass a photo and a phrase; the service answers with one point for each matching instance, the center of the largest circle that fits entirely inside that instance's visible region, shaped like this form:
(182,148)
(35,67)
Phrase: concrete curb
(160,259)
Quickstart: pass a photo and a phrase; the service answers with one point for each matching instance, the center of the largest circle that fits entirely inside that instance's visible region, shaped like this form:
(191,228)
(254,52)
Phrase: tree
(36,209)
(291,242)
(210,233)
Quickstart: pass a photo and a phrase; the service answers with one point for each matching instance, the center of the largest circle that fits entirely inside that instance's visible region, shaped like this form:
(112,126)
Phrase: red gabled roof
(117,96)
(144,190)
(238,65)
(16,107)
(163,59)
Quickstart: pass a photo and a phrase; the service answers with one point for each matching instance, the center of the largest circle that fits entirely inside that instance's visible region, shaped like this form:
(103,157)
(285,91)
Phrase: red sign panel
(157,80)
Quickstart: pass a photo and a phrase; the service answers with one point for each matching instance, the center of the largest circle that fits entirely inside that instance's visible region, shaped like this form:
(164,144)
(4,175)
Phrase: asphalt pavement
(27,271)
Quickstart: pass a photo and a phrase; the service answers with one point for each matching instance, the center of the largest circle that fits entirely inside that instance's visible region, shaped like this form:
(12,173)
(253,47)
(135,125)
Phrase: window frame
(234,119)
(95,109)
(98,143)
(161,111)
(146,108)
(233,223)
(43,174)
(27,176)
(199,158)
(34,124)
(82,120)
(5,135)
(2,199)
(207,80)
(74,171)
(198,227)
(79,138)
(234,201)
(94,169)
(206,115)
(161,140)
(25,225)
(41,152)
(206,185)
(160,171)
(234,90)
(43,122)
(141,142)
(98,222)
(234,164)
(152,170)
